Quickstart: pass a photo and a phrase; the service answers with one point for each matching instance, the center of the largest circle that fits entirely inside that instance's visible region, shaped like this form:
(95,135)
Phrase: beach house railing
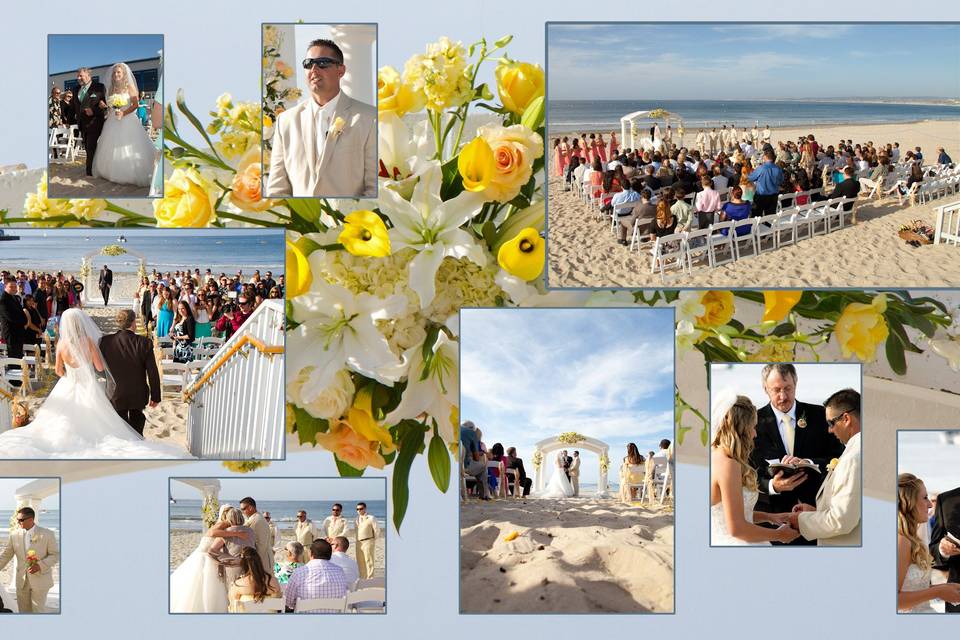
(236,402)
(947,230)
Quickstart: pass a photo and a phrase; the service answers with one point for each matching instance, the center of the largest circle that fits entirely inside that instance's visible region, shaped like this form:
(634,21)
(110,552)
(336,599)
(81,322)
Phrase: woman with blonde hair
(733,482)
(914,562)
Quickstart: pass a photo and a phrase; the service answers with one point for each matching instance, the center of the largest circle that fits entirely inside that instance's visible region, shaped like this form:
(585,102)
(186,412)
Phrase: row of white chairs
(679,251)
(66,140)
(365,600)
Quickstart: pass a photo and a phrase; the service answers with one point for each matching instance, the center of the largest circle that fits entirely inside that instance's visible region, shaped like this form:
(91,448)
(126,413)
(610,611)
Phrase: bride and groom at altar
(565,481)
(95,410)
(788,473)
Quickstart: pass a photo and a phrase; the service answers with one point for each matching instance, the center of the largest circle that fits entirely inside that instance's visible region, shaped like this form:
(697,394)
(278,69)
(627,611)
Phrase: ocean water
(46,519)
(185,514)
(165,251)
(565,116)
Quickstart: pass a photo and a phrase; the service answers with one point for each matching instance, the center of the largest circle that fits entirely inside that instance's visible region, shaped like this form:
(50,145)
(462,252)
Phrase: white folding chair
(668,253)
(12,372)
(368,600)
(366,583)
(269,605)
(697,245)
(325,605)
(748,237)
(717,240)
(765,229)
(621,210)
(175,375)
(635,235)
(501,477)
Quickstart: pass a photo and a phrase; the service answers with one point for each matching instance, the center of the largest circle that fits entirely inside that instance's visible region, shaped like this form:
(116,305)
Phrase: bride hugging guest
(733,482)
(294,560)
(914,562)
(231,537)
(124,153)
(195,586)
(631,473)
(254,584)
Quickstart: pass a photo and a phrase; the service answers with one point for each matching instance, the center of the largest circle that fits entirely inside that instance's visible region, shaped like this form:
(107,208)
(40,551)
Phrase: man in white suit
(326,146)
(835,521)
(34,577)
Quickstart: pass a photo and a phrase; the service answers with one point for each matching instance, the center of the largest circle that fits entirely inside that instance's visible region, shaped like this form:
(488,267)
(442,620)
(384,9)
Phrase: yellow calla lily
(777,304)
(361,420)
(299,277)
(476,165)
(523,255)
(364,234)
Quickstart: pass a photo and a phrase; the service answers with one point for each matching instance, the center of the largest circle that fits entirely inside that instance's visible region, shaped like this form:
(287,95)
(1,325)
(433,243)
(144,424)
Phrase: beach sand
(70,180)
(584,253)
(578,555)
(182,544)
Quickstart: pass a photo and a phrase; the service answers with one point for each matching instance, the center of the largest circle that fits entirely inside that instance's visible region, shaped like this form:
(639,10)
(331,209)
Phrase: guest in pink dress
(560,152)
(585,149)
(575,150)
(613,148)
(602,148)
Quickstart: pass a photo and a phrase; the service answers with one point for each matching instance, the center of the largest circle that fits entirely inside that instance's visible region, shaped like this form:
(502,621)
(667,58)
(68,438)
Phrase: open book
(952,538)
(791,469)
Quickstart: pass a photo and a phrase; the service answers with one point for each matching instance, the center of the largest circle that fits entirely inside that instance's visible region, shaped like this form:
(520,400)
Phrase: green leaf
(489,233)
(534,114)
(438,459)
(305,208)
(346,471)
(502,42)
(753,296)
(704,436)
(409,444)
(784,329)
(452,180)
(681,432)
(308,426)
(895,354)
(182,106)
(490,107)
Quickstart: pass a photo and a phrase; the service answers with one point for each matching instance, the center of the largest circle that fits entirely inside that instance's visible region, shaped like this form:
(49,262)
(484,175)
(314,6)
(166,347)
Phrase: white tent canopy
(630,138)
(564,441)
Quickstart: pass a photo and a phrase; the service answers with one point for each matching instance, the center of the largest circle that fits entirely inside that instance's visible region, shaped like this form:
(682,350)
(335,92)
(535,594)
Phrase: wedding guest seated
(665,222)
(254,583)
(319,578)
(736,209)
(848,188)
(631,473)
(342,560)
(916,175)
(681,209)
(513,462)
(474,463)
(707,203)
(642,216)
(293,552)
(943,158)
(720,181)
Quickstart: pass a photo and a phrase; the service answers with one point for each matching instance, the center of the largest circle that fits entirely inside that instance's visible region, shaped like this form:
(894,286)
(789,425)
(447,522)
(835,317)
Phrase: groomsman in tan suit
(326,146)
(305,531)
(835,521)
(367,534)
(261,532)
(574,472)
(33,581)
(335,525)
(273,529)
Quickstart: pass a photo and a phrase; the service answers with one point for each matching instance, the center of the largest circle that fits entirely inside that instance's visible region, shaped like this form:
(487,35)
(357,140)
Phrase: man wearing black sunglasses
(326,145)
(36,551)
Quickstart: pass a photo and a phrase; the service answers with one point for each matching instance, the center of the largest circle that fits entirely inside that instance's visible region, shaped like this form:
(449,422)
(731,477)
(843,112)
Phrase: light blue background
(115,529)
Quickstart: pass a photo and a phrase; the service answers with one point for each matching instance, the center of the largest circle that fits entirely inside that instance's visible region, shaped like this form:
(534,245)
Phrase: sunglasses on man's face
(323,63)
(833,421)
(22,520)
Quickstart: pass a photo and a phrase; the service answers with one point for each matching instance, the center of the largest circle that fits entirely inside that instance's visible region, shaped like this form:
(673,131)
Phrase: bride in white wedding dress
(77,420)
(125,154)
(196,585)
(559,486)
(914,561)
(733,482)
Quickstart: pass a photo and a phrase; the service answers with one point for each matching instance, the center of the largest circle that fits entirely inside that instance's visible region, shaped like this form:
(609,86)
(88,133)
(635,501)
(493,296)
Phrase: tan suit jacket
(836,522)
(305,532)
(348,166)
(574,469)
(48,551)
(261,536)
(333,527)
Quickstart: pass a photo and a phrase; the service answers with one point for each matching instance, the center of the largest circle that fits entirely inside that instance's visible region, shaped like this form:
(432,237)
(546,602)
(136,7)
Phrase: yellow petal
(513,535)
(523,255)
(299,277)
(476,165)
(777,304)
(365,234)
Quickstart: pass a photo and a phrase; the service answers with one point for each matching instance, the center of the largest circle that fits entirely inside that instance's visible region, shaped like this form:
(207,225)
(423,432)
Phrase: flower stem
(253,221)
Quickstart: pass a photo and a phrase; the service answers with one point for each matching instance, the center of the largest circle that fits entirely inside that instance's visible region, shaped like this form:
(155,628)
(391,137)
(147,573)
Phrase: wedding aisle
(70,180)
(584,555)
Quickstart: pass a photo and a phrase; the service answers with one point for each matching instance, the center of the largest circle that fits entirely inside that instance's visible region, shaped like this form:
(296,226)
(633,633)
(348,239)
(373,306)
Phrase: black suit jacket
(146,305)
(849,188)
(132,365)
(946,518)
(106,278)
(13,322)
(812,441)
(91,100)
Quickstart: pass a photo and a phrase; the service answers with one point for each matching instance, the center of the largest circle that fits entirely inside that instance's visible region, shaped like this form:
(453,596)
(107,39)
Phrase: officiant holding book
(791,432)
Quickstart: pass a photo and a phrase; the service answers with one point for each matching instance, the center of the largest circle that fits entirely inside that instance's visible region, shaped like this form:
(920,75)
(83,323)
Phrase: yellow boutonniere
(337,127)
(832,464)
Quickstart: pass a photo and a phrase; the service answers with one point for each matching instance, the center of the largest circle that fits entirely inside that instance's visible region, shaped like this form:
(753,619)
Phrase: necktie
(83,92)
(788,433)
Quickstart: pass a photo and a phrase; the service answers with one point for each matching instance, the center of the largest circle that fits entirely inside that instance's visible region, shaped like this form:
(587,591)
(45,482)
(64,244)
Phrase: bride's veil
(130,86)
(722,403)
(80,335)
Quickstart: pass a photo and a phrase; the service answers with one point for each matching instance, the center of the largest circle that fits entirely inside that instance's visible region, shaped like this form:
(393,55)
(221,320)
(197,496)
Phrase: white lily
(337,329)
(686,336)
(432,227)
(433,390)
(402,156)
(948,348)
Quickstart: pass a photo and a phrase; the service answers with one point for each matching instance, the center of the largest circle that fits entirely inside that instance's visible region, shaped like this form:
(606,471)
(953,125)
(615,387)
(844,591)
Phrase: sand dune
(579,555)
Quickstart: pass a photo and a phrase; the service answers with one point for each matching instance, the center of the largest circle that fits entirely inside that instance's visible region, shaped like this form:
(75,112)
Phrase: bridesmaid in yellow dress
(254,583)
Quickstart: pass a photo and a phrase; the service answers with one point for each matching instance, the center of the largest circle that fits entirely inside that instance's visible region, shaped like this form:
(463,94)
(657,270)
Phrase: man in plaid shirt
(319,578)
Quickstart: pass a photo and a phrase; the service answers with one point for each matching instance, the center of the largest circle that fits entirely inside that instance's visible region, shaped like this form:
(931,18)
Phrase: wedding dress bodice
(718,522)
(915,580)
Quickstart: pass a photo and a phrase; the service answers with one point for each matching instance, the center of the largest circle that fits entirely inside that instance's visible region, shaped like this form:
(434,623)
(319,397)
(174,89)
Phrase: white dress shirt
(783,436)
(324,118)
(348,564)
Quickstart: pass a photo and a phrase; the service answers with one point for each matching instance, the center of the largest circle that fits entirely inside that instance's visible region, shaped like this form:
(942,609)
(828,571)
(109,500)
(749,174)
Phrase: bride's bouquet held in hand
(118,101)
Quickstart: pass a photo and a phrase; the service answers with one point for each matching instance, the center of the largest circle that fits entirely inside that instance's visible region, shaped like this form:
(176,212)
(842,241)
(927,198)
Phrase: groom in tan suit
(33,582)
(367,533)
(326,146)
(835,521)
(261,532)
(574,472)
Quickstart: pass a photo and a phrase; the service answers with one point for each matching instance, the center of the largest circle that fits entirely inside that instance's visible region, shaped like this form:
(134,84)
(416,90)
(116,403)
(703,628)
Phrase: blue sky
(265,488)
(731,61)
(531,374)
(9,485)
(71,51)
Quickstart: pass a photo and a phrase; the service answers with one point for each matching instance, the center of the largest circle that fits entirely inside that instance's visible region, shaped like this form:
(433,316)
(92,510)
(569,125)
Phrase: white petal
(423,273)
(307,348)
(461,244)
(426,195)
(368,352)
(457,211)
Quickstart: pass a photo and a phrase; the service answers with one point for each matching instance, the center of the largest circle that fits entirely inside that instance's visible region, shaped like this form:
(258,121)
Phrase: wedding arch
(107,252)
(209,489)
(629,135)
(572,440)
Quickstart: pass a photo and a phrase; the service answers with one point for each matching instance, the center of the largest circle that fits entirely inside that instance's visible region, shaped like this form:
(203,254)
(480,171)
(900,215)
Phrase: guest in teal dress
(202,316)
(165,315)
(294,553)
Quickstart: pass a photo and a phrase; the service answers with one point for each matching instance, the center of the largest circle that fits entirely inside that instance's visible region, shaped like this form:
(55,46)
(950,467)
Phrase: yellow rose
(351,447)
(773,351)
(396,96)
(87,209)
(523,255)
(284,69)
(519,84)
(299,277)
(718,308)
(189,200)
(514,150)
(246,190)
(364,234)
(861,328)
(476,165)
(777,304)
